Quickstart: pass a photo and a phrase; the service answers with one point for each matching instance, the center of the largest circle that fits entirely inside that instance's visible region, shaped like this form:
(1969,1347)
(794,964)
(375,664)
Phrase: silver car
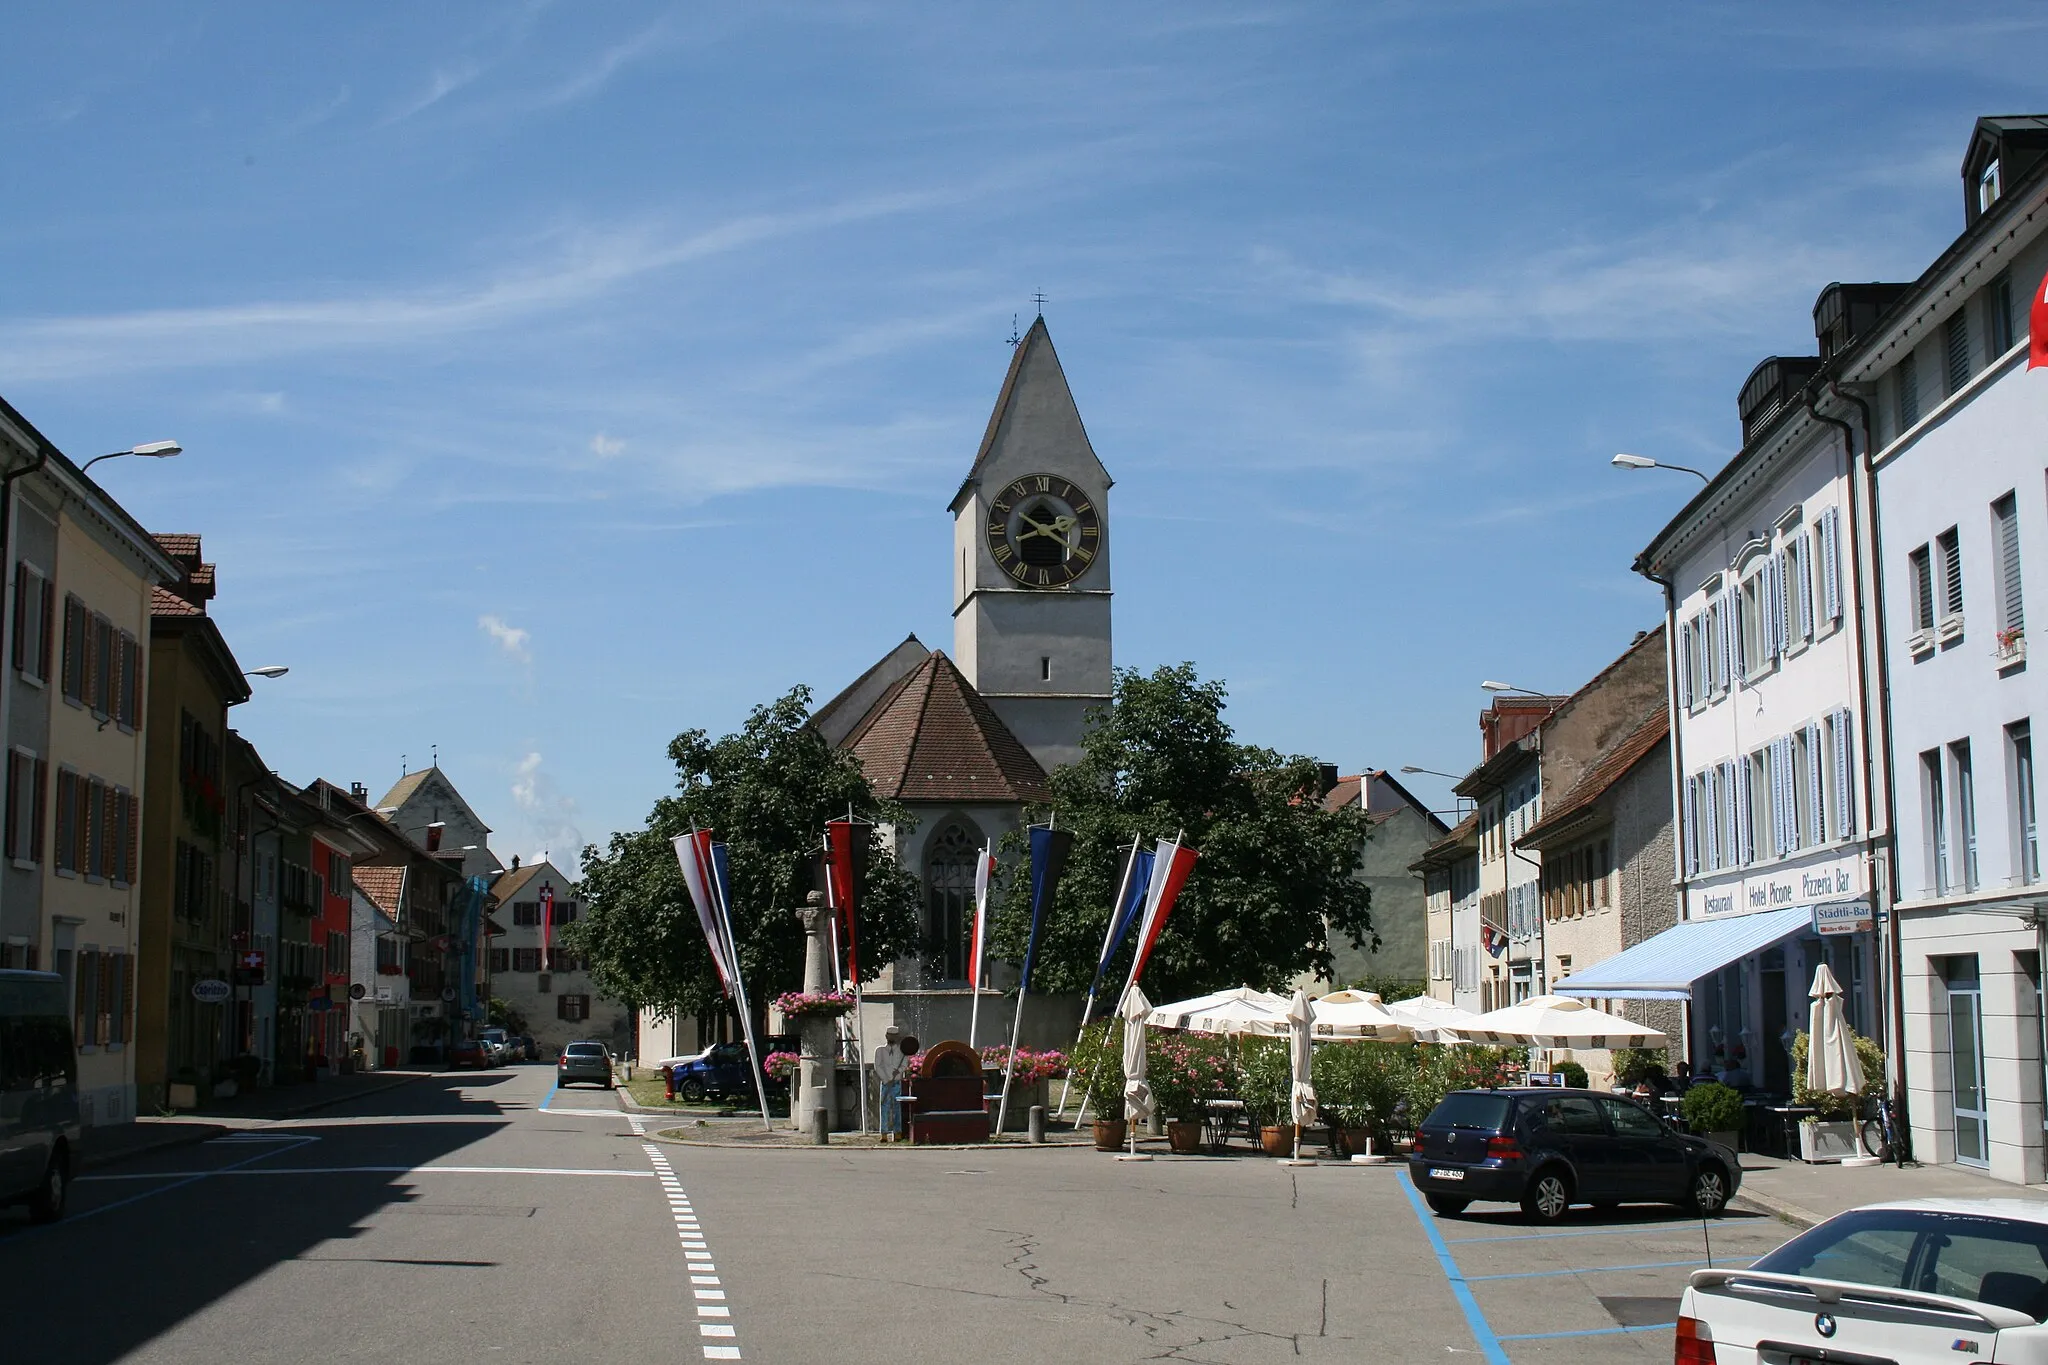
(39,1120)
(585,1061)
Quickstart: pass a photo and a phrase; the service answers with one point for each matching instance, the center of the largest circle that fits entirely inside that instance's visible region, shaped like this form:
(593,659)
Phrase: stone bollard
(820,1125)
(1036,1124)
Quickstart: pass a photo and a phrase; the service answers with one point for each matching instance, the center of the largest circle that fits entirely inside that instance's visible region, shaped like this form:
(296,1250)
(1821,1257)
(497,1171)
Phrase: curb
(1783,1210)
(889,1148)
(203,1128)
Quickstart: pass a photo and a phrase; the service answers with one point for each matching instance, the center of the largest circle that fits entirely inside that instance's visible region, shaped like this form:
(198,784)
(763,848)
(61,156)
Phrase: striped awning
(1664,966)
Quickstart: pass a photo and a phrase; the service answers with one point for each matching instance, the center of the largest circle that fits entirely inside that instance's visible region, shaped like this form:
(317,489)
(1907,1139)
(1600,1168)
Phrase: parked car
(39,1120)
(469,1052)
(721,1071)
(584,1061)
(1547,1148)
(1906,1282)
(499,1042)
(529,1051)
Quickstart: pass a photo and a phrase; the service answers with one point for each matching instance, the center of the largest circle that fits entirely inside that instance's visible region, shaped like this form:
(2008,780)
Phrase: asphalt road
(490,1217)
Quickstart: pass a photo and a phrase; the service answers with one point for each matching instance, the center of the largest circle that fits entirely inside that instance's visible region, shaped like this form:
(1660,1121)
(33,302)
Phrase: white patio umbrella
(1357,1014)
(1434,1020)
(1301,1096)
(1239,1010)
(1137,1093)
(1558,1021)
(1832,1066)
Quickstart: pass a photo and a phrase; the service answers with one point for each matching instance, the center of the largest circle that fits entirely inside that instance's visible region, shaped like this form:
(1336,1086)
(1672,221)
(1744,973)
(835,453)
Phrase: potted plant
(1265,1084)
(1185,1071)
(1714,1111)
(1830,1135)
(1098,1061)
(799,1005)
(1358,1087)
(1574,1074)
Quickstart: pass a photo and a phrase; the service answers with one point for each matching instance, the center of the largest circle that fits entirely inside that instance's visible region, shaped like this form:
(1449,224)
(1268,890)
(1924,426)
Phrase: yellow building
(80,571)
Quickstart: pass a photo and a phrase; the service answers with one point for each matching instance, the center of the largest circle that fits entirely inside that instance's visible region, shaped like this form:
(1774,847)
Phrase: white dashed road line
(714,1317)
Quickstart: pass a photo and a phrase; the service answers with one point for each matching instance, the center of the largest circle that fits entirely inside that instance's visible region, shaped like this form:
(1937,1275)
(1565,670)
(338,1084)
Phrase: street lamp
(267,671)
(1626,461)
(1411,768)
(1492,685)
(149,450)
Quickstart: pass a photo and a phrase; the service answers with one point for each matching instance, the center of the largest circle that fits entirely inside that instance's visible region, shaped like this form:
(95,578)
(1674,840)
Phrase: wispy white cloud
(597,74)
(605,447)
(445,81)
(547,817)
(512,639)
(586,265)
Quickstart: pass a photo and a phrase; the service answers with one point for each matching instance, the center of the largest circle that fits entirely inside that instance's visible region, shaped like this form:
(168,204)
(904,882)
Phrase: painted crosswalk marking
(714,1326)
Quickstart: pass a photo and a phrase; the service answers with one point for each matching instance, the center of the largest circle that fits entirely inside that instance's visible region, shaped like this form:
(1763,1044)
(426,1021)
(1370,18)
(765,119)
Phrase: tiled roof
(403,789)
(178,545)
(1345,793)
(1462,839)
(932,737)
(164,602)
(385,886)
(516,880)
(837,718)
(1612,767)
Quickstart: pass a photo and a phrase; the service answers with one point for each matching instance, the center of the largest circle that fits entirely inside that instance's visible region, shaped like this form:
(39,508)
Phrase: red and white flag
(2037,327)
(984,874)
(693,851)
(1172,861)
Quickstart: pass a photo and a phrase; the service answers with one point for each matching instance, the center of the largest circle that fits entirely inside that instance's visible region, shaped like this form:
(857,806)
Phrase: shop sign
(211,991)
(1843,917)
(1775,890)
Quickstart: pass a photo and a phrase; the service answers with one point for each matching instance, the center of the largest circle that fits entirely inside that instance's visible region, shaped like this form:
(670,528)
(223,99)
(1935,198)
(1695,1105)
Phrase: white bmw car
(1951,1280)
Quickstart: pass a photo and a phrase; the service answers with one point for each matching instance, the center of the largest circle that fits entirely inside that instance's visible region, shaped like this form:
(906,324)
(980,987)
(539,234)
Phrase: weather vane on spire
(1014,336)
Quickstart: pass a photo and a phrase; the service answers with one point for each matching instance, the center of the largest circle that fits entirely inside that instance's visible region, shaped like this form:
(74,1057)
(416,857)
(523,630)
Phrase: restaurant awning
(1664,966)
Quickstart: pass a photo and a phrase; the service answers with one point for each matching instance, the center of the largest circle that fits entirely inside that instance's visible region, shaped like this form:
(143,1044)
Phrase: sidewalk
(1804,1195)
(121,1142)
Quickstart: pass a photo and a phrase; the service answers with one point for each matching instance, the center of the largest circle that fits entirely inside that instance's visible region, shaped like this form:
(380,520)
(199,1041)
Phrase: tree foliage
(766,792)
(1275,878)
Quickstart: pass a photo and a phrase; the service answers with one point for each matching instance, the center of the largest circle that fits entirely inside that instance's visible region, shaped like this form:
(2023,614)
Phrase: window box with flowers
(1030,1081)
(2011,650)
(799,1005)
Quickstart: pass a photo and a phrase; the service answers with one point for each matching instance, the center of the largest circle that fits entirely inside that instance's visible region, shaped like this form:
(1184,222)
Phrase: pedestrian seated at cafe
(945,1099)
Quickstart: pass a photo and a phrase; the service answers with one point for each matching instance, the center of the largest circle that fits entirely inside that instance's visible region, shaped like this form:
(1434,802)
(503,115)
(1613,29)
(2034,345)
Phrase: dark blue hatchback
(1547,1149)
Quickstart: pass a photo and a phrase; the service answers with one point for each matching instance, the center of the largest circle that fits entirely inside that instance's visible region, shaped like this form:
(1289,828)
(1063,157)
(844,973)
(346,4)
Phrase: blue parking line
(1591,1270)
(1482,1331)
(1637,1230)
(1591,1332)
(549,1098)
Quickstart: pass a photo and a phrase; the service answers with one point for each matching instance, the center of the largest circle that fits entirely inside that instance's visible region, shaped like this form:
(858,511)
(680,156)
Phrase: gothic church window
(949,898)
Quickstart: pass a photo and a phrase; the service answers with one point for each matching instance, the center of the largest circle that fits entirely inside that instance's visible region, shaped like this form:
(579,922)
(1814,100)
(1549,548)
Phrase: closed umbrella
(1137,1093)
(1301,1095)
(1558,1021)
(1832,1067)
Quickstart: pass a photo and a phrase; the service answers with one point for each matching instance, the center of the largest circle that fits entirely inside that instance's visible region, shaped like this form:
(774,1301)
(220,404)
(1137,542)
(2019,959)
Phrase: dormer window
(1987,186)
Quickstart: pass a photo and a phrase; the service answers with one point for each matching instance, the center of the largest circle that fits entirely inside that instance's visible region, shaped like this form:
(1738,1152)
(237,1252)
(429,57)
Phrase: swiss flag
(2037,327)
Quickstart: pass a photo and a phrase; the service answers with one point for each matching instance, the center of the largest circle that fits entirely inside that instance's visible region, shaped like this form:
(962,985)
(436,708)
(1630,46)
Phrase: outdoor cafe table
(1221,1118)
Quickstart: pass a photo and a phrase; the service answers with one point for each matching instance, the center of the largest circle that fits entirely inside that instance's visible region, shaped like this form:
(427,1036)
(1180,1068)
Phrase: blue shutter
(1710,841)
(1688,832)
(1684,647)
(1845,806)
(1816,809)
(1745,835)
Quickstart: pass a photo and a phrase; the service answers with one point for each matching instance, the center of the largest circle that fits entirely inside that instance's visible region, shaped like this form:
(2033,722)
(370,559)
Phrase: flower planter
(1109,1135)
(1277,1139)
(1355,1141)
(1827,1140)
(1184,1136)
(182,1095)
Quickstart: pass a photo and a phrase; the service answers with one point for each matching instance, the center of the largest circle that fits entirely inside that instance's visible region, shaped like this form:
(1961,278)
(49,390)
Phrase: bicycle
(1875,1131)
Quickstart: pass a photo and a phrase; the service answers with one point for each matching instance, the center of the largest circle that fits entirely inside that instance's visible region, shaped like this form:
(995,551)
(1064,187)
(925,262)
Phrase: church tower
(1031,560)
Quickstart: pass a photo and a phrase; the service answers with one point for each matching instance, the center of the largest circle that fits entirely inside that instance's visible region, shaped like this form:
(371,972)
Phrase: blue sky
(554,378)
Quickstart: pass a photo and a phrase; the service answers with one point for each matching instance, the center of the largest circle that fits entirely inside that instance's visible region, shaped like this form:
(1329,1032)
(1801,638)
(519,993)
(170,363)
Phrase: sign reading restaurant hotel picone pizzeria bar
(1818,882)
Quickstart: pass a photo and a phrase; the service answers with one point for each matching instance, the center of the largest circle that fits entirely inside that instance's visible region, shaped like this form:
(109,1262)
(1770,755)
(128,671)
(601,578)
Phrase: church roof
(838,718)
(1035,342)
(932,737)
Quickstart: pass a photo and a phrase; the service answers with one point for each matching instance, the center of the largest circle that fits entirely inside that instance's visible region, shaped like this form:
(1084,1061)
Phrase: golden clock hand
(1038,529)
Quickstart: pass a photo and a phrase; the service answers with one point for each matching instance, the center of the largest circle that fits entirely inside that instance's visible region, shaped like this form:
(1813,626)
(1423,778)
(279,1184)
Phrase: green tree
(1274,880)
(766,792)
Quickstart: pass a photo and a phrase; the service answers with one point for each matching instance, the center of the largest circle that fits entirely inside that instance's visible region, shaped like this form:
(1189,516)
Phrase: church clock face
(1043,531)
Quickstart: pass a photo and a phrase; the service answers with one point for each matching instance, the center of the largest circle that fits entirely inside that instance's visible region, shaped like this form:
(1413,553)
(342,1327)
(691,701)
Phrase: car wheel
(1548,1195)
(1707,1194)
(692,1091)
(46,1205)
(1447,1205)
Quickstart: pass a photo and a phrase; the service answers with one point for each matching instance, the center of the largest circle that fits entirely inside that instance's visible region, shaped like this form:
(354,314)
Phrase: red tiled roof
(1345,793)
(1612,767)
(932,737)
(164,602)
(382,884)
(178,545)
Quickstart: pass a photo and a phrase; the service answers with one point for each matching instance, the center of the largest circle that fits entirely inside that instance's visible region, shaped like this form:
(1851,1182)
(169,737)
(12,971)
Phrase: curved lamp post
(149,450)
(1626,461)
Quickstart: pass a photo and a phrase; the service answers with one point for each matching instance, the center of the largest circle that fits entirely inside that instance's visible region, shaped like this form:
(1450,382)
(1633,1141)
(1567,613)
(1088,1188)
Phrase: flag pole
(974,971)
(746,1012)
(1088,1006)
(1016,1024)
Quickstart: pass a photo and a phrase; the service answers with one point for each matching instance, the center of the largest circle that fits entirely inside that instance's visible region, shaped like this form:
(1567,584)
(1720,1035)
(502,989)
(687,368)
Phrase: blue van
(39,1128)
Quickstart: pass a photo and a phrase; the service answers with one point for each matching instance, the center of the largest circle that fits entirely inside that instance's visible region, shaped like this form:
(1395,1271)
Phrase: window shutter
(1684,670)
(1845,790)
(1726,621)
(1951,572)
(134,839)
(1745,843)
(2012,614)
(1689,831)
(1710,851)
(1816,808)
(42,781)
(1779,790)
(21,595)
(1797,557)
(17,799)
(1956,339)
(1830,564)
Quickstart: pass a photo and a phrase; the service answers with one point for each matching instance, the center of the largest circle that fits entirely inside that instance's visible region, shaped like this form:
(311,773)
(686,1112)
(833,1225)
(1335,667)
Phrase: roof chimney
(359,792)
(434,836)
(1326,778)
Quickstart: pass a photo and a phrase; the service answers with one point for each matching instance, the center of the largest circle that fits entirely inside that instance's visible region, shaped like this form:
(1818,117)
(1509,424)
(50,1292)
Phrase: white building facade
(1956,424)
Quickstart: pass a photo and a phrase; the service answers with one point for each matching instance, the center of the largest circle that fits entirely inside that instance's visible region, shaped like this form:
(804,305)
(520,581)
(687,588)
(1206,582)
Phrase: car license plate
(1440,1173)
